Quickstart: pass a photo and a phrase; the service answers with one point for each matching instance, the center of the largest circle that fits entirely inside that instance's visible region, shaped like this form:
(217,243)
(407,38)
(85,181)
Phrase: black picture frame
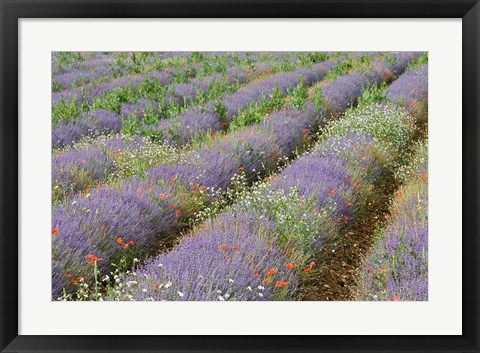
(12,11)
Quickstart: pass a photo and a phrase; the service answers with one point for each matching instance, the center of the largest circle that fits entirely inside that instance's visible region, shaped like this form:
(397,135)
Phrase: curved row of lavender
(253,151)
(397,266)
(238,256)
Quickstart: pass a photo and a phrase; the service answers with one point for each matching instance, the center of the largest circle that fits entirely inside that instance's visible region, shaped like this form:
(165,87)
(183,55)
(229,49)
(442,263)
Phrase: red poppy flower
(271,272)
(308,269)
(119,241)
(289,266)
(54,231)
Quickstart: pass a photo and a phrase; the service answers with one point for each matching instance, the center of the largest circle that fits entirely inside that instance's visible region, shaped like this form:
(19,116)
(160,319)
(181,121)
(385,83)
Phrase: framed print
(182,176)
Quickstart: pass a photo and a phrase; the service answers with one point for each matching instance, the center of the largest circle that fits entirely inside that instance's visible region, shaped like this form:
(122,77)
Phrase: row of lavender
(144,212)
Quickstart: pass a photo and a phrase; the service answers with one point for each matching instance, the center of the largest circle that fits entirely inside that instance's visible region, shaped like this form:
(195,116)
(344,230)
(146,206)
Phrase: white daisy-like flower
(221,298)
(168,284)
(180,294)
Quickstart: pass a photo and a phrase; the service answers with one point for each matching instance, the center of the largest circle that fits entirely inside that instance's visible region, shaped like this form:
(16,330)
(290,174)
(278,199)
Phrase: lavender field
(237,176)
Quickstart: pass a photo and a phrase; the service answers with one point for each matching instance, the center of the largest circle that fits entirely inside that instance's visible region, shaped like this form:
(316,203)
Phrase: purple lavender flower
(235,102)
(411,88)
(113,222)
(194,122)
(249,151)
(293,128)
(96,123)
(220,262)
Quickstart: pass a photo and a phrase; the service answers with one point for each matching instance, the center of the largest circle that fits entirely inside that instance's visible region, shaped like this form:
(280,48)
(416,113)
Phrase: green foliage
(62,58)
(423,59)
(65,111)
(255,112)
(372,94)
(298,96)
(312,58)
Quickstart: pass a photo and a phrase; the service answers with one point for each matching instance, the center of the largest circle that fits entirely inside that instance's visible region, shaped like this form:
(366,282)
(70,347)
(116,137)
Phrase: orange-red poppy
(289,266)
(271,272)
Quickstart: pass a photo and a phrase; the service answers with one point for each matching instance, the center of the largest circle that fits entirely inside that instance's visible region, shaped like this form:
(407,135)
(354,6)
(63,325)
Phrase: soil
(335,280)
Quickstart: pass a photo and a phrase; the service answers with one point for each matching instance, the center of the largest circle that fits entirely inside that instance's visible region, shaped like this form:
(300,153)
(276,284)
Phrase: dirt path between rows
(335,280)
